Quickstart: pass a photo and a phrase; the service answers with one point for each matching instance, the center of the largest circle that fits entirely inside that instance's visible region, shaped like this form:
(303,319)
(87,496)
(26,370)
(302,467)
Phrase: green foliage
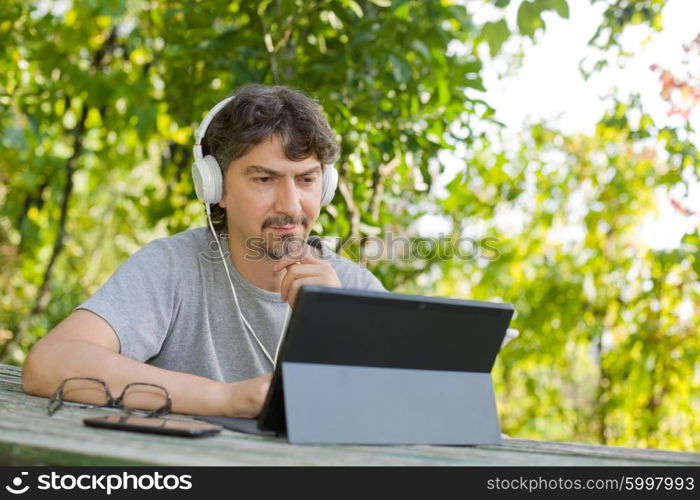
(530,14)
(98,104)
(618,15)
(495,33)
(605,349)
(100,100)
(529,21)
(621,13)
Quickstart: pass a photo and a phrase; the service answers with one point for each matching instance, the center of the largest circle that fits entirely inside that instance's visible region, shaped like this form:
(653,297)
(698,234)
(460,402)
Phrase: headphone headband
(202,129)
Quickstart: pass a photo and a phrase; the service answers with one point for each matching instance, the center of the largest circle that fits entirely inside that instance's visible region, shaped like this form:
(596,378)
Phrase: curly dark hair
(257,113)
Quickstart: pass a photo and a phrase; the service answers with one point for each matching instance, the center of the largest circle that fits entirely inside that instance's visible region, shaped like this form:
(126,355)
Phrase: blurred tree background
(98,104)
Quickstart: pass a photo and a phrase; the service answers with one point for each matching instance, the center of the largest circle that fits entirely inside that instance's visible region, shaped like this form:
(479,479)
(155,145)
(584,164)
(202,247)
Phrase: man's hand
(245,399)
(307,269)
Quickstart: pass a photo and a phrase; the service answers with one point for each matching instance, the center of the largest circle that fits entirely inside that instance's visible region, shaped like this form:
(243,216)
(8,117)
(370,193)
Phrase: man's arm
(84,344)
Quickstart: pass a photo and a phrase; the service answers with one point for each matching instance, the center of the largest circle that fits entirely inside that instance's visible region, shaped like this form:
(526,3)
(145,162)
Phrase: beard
(287,245)
(275,246)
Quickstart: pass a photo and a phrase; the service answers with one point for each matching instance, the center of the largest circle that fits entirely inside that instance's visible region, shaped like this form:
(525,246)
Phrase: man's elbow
(34,370)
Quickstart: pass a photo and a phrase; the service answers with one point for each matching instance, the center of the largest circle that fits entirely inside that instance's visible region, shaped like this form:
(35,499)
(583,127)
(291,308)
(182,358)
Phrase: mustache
(286,220)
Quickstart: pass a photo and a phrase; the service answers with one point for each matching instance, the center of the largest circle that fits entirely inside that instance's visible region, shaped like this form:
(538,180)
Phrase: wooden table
(28,436)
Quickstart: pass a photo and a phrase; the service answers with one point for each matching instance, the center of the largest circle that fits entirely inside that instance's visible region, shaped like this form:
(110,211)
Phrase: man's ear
(222,201)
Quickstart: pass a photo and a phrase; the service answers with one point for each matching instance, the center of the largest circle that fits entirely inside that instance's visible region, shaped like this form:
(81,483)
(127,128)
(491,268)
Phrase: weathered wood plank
(29,436)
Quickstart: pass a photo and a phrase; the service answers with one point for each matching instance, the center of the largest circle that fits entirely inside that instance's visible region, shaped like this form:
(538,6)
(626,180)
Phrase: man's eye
(263,180)
(308,180)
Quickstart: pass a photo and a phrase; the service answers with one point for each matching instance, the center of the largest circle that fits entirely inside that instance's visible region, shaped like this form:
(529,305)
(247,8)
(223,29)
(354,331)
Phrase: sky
(549,86)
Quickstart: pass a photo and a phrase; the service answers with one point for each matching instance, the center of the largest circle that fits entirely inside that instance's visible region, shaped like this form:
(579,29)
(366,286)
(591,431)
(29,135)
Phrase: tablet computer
(359,328)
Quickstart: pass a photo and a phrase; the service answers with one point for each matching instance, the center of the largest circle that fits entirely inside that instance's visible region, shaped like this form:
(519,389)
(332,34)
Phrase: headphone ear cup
(208,183)
(330,184)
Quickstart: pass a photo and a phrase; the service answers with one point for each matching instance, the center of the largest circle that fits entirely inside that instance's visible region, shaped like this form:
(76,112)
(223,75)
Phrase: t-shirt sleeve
(352,275)
(369,281)
(139,301)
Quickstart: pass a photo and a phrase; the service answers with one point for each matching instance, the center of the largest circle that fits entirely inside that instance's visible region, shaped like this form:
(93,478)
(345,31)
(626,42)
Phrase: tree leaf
(495,33)
(560,6)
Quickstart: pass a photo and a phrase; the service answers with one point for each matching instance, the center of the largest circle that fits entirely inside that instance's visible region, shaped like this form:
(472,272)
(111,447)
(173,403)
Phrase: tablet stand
(342,404)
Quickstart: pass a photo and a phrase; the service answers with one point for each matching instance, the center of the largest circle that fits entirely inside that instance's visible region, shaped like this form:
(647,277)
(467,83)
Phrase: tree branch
(30,200)
(351,210)
(265,34)
(380,174)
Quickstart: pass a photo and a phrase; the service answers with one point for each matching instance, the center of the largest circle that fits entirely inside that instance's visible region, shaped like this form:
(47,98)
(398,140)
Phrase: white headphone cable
(284,327)
(235,298)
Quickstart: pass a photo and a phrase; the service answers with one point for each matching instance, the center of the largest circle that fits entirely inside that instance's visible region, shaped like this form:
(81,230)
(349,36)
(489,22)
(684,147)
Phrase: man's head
(271,143)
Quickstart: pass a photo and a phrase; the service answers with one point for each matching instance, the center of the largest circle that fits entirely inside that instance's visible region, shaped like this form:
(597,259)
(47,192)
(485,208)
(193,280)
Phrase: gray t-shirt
(171,306)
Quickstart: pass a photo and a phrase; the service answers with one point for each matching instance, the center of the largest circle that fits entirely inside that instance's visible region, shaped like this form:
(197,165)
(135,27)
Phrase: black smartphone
(153,425)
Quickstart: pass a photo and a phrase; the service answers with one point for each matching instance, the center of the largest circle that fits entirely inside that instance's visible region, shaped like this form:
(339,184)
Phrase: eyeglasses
(128,400)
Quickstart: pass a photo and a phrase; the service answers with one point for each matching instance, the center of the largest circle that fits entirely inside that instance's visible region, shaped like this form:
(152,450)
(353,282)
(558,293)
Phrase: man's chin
(281,245)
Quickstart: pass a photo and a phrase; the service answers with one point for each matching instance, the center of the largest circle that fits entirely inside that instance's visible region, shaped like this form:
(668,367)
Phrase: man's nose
(288,199)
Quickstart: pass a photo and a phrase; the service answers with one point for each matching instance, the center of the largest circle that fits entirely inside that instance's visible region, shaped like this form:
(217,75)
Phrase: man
(169,316)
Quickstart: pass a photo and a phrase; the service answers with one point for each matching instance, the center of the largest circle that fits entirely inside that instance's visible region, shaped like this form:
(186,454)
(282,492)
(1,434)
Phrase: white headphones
(209,186)
(206,173)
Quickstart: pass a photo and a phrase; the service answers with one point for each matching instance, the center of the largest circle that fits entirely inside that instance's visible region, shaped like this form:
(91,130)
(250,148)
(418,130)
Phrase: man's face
(271,202)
